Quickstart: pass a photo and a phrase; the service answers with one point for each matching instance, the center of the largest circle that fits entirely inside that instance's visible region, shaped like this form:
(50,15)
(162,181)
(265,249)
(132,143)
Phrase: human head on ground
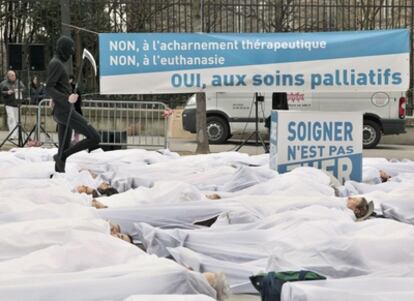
(219,282)
(97,204)
(115,228)
(213,196)
(87,190)
(116,232)
(360,206)
(384,176)
(123,236)
(105,189)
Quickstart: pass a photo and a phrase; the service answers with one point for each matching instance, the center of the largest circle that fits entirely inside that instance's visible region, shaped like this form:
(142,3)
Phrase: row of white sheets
(168,205)
(136,168)
(53,245)
(250,228)
(317,238)
(391,197)
(51,235)
(64,258)
(135,159)
(245,179)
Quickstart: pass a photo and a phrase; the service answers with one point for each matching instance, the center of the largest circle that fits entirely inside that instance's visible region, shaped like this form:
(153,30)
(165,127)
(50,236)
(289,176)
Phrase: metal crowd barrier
(119,123)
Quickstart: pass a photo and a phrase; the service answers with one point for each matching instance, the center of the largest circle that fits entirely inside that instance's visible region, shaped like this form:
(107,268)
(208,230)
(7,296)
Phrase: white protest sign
(331,141)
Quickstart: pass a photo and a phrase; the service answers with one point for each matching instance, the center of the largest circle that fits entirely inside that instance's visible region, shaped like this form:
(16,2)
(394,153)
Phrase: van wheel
(217,130)
(371,134)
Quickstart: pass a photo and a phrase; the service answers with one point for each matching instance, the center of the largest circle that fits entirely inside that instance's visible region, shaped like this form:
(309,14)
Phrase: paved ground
(388,151)
(398,147)
(392,146)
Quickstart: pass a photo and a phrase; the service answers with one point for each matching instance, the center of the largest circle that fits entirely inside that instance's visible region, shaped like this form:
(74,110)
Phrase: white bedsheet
(324,240)
(162,192)
(355,289)
(51,195)
(169,298)
(113,282)
(54,246)
(21,238)
(20,210)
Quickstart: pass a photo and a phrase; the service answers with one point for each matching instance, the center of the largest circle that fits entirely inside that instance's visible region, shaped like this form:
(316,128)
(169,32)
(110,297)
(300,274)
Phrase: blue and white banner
(330,141)
(140,63)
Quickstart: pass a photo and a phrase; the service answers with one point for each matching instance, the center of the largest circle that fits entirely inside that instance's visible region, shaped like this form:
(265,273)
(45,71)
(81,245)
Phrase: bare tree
(201,115)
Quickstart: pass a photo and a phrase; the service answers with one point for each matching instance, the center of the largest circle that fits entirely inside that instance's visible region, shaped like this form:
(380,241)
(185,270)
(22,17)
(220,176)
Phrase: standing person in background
(37,91)
(12,91)
(78,105)
(59,89)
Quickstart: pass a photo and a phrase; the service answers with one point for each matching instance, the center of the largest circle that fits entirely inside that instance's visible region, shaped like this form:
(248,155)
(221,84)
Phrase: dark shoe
(59,163)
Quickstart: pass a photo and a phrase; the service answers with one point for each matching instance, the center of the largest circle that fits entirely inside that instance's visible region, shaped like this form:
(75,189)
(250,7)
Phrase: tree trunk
(65,18)
(78,50)
(201,124)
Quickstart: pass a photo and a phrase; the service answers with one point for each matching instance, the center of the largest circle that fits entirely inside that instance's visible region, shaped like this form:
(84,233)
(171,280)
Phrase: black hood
(65,47)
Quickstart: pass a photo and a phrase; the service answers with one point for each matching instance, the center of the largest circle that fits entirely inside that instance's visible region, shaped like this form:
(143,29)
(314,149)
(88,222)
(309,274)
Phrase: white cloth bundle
(355,289)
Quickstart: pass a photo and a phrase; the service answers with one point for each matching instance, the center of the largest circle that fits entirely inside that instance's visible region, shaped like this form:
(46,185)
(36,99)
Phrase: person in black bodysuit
(78,104)
(59,89)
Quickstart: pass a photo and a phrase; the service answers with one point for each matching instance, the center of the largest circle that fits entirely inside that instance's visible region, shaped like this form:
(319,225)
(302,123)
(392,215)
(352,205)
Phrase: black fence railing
(30,22)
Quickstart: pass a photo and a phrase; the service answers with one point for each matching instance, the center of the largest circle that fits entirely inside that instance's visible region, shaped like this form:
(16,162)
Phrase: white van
(234,113)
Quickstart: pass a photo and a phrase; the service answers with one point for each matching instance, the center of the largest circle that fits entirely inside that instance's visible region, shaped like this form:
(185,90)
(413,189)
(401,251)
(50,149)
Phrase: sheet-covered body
(316,238)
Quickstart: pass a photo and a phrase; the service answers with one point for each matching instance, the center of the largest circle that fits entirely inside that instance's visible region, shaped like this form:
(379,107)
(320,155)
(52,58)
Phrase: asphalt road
(389,151)
(187,147)
(391,146)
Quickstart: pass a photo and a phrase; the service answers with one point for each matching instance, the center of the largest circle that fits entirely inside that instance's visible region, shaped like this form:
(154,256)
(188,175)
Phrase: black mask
(65,48)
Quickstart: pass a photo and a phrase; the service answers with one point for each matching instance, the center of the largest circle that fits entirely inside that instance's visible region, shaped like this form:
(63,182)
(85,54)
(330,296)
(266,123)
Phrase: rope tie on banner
(80,28)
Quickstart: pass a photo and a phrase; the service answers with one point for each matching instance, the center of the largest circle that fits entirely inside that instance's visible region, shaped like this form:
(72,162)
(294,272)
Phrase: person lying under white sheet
(29,170)
(355,188)
(23,210)
(133,176)
(106,163)
(9,160)
(34,154)
(357,207)
(68,271)
(314,238)
(55,194)
(391,167)
(20,238)
(373,175)
(162,192)
(238,209)
(309,181)
(177,215)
